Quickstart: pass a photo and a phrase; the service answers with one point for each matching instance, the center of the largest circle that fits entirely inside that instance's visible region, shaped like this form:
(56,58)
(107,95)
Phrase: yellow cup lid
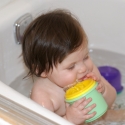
(79,88)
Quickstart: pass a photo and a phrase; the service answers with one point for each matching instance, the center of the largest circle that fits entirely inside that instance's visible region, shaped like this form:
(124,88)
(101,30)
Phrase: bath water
(100,58)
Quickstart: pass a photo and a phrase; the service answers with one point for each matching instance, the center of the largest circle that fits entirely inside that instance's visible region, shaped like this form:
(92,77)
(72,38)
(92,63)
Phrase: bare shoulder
(49,96)
(41,95)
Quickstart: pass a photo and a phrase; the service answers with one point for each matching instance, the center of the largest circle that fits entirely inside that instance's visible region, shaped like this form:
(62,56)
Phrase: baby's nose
(83,68)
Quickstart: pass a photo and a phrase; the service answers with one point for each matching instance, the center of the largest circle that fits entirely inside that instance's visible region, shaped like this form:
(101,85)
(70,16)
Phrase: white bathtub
(103,21)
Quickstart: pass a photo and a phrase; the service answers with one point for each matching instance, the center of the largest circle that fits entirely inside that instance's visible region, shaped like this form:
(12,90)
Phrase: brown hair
(49,39)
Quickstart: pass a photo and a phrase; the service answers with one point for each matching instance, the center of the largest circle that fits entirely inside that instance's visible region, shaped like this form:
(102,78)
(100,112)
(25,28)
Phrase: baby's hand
(77,113)
(100,88)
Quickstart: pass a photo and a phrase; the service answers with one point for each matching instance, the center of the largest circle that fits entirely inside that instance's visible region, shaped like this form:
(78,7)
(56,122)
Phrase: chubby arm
(109,93)
(43,99)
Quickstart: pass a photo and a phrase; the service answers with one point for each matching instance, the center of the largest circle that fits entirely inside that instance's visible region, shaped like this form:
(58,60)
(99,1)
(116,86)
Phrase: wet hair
(49,39)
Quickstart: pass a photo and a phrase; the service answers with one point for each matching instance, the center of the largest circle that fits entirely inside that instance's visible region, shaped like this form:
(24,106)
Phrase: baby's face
(74,67)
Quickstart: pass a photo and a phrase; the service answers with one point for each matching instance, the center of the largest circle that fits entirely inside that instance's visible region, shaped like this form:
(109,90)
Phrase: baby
(55,49)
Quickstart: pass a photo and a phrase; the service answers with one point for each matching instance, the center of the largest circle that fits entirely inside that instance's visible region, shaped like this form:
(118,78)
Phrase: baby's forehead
(78,54)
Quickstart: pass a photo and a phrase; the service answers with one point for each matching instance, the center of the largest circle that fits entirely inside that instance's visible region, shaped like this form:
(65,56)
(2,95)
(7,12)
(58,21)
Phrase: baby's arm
(77,113)
(104,87)
(43,99)
(110,93)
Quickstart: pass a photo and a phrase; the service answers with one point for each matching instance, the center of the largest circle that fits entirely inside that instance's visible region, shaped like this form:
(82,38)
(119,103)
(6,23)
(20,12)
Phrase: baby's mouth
(81,79)
(84,77)
(69,86)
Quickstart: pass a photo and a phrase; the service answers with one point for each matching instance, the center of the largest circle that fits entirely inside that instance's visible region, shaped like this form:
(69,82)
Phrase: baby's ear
(44,74)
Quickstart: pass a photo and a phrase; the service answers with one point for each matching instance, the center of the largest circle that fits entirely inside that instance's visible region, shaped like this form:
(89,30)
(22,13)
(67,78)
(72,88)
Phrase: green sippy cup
(87,88)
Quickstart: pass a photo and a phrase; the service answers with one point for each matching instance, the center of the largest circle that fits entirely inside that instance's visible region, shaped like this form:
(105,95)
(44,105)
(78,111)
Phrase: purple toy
(113,76)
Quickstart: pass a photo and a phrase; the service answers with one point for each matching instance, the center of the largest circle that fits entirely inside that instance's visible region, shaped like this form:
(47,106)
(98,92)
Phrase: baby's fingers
(79,102)
(82,103)
(88,116)
(100,88)
(87,110)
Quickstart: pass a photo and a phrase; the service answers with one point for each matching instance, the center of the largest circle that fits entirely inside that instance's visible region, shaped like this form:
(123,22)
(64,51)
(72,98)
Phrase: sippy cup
(87,88)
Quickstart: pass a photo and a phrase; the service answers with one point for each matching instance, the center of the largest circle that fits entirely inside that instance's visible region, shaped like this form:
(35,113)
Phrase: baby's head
(49,39)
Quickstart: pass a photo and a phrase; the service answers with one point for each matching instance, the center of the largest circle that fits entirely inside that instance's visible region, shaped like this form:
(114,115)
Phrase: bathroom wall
(103,21)
(4,3)
(11,64)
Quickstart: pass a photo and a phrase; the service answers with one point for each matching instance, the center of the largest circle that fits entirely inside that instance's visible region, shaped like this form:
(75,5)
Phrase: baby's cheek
(90,65)
(69,79)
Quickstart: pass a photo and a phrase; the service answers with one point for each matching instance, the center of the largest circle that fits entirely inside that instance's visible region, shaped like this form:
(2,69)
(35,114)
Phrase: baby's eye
(72,67)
